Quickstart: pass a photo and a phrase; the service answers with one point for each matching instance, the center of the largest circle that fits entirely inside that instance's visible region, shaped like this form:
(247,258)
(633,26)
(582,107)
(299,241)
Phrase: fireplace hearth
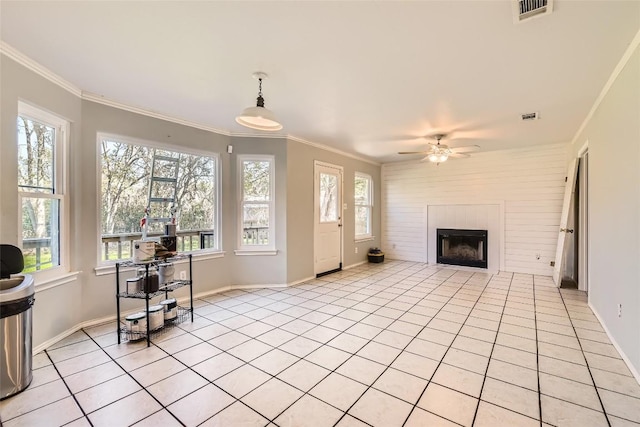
(462,247)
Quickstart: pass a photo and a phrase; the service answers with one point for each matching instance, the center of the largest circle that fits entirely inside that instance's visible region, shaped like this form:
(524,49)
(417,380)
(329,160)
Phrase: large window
(363,205)
(256,175)
(126,177)
(41,187)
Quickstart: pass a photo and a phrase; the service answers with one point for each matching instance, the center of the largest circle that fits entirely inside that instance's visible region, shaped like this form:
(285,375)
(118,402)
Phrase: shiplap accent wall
(528,181)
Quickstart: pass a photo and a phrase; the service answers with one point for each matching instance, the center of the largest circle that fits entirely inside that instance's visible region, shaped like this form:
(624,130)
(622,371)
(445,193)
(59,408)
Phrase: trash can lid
(11,260)
(16,288)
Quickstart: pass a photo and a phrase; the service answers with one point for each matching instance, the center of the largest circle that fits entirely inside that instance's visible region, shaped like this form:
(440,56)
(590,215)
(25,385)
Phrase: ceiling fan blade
(413,152)
(465,149)
(459,155)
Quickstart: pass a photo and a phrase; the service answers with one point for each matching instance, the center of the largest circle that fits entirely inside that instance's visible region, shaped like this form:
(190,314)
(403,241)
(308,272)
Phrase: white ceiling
(361,76)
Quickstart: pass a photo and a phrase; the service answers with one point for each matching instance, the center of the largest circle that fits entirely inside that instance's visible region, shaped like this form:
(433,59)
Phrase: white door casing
(327,217)
(564,218)
(583,228)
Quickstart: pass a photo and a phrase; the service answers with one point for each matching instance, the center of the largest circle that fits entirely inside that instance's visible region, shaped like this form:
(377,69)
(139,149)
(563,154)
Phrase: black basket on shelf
(181,316)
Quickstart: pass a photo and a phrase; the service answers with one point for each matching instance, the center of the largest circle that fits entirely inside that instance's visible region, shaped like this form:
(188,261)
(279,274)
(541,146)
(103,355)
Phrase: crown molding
(37,68)
(333,150)
(259,135)
(88,96)
(34,66)
(614,75)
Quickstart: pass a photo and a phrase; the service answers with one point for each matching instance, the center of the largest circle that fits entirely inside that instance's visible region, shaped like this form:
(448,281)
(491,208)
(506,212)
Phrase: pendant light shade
(259,117)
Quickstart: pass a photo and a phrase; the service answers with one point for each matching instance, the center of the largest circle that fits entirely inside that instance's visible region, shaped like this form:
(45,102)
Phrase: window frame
(244,249)
(369,206)
(101,136)
(60,187)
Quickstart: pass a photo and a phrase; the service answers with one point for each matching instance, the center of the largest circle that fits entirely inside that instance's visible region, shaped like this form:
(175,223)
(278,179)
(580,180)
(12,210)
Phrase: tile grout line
(448,348)
(604,411)
(68,389)
(344,413)
(493,346)
(136,381)
(320,293)
(403,349)
(248,363)
(369,340)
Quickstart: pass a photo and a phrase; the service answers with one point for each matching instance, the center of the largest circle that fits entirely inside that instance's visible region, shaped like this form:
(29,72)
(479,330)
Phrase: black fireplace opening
(462,247)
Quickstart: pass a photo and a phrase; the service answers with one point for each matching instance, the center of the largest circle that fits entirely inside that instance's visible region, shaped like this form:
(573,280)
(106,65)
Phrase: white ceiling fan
(439,153)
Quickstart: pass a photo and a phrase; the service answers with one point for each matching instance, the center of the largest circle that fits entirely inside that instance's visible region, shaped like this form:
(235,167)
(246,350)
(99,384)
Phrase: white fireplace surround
(486,216)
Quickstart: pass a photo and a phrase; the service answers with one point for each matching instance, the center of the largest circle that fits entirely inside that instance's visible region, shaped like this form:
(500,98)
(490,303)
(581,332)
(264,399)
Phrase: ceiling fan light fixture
(259,117)
(437,157)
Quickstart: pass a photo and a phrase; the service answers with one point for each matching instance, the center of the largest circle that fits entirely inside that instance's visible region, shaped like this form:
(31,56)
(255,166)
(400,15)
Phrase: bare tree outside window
(256,202)
(38,192)
(126,170)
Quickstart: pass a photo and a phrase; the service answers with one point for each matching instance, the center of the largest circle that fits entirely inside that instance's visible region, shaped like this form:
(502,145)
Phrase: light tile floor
(393,344)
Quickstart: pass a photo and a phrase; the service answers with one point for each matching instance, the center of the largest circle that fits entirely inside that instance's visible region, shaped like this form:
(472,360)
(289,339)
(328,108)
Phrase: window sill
(256,252)
(110,268)
(364,239)
(54,282)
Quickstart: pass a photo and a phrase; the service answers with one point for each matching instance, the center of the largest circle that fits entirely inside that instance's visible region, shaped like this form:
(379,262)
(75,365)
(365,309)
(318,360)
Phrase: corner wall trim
(612,78)
(627,361)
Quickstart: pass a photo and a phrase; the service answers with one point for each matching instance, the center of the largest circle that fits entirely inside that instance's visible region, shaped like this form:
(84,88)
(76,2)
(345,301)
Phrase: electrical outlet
(183,275)
(619,310)
(552,263)
(356,249)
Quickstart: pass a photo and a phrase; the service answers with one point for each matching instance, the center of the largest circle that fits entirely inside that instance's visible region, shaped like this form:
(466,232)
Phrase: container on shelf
(136,323)
(143,251)
(169,242)
(156,317)
(135,285)
(166,271)
(150,279)
(170,309)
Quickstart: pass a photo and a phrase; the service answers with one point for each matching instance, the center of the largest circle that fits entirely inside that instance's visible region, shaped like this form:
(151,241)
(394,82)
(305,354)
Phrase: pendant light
(259,117)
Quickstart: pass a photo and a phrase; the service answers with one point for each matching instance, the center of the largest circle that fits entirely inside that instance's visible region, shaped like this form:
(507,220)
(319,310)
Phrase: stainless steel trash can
(16,302)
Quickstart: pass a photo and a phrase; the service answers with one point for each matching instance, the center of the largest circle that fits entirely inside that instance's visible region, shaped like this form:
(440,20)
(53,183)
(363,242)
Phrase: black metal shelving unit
(182,312)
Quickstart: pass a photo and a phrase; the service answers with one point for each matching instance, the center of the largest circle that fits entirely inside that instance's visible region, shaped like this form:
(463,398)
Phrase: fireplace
(462,247)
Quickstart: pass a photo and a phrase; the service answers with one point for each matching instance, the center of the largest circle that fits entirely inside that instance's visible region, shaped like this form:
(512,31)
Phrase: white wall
(613,136)
(529,182)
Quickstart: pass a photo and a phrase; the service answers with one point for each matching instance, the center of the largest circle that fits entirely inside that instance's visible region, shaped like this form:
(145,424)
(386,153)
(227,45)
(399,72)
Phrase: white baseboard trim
(94,322)
(269,286)
(297,282)
(633,370)
(355,265)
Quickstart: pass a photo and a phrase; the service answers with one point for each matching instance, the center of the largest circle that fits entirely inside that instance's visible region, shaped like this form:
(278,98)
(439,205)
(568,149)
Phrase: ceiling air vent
(530,116)
(526,9)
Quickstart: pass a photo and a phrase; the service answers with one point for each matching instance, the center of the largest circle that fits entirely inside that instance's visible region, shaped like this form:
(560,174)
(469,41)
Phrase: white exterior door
(564,219)
(328,218)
